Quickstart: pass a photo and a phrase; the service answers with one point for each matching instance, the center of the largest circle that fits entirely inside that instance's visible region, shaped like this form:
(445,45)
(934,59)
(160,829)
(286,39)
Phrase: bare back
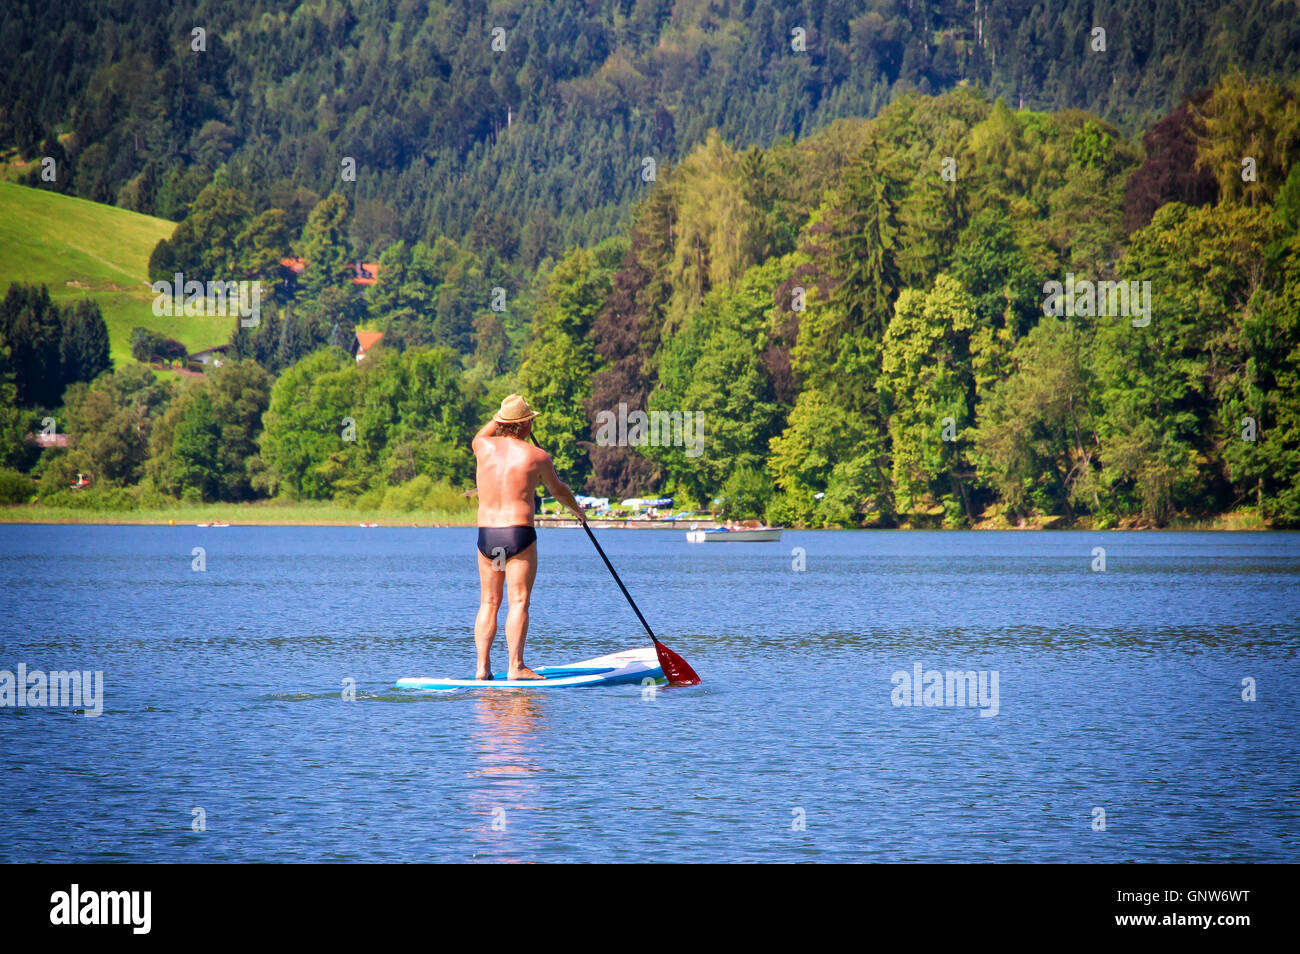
(509,471)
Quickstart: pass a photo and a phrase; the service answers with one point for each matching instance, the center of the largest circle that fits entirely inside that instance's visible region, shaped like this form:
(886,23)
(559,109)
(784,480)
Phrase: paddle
(677,669)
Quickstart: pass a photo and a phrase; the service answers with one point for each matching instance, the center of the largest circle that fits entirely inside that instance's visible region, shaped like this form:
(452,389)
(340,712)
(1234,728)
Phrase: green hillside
(82,249)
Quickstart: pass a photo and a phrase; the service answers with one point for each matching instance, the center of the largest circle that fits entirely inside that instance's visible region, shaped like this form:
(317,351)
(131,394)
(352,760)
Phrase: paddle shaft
(592,537)
(612,572)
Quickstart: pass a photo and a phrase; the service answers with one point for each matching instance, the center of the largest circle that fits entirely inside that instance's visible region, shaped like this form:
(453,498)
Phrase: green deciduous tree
(1251,137)
(304,445)
(336,428)
(559,359)
(109,423)
(926,375)
(1160,384)
(206,441)
(206,246)
(1035,444)
(715,388)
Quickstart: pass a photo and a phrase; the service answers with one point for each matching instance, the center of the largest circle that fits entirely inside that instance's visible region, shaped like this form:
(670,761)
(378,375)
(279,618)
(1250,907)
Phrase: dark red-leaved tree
(626,335)
(1169,173)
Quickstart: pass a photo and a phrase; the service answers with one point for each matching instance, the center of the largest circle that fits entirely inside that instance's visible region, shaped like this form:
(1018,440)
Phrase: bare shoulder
(539,462)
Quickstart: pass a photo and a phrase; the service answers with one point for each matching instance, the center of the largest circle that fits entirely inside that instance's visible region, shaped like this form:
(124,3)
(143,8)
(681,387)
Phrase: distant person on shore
(509,470)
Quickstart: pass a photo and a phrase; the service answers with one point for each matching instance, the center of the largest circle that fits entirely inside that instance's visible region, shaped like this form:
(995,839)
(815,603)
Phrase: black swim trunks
(506,541)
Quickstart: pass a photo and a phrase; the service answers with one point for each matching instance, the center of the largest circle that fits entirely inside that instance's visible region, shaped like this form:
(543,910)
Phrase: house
(364,274)
(367,340)
(290,269)
(49,440)
(210,356)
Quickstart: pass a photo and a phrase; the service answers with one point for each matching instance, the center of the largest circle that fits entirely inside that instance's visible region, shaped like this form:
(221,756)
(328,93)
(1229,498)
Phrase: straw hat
(514,410)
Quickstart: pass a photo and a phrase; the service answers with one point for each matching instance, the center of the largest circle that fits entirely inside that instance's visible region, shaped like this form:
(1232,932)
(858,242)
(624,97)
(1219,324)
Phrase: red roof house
(366,273)
(363,273)
(367,340)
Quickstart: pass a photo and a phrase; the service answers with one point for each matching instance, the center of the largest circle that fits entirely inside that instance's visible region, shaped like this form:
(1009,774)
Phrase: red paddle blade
(677,669)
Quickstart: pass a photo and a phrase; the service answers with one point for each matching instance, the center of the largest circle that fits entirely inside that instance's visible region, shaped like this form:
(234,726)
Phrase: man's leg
(521,570)
(485,625)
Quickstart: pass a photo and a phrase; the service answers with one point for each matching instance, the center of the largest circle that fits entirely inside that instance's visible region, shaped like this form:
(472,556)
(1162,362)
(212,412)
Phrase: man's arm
(487,430)
(559,490)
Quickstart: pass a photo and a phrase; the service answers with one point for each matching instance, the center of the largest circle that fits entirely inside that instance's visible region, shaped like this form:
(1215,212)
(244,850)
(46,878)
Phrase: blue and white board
(633,665)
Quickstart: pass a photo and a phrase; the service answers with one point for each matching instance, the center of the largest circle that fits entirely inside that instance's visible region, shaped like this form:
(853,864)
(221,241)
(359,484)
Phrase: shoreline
(264,514)
(267,514)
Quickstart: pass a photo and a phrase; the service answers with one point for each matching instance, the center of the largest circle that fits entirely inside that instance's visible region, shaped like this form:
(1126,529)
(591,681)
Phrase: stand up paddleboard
(634,665)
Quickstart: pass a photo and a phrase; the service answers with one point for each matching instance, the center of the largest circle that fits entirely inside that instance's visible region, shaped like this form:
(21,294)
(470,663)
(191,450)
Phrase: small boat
(726,535)
(368,525)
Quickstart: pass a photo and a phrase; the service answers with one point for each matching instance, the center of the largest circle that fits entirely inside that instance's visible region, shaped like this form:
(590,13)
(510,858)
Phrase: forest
(520,129)
(849,261)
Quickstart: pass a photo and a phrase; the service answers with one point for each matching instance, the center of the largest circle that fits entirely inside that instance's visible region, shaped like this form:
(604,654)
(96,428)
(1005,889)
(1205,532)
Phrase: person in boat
(509,470)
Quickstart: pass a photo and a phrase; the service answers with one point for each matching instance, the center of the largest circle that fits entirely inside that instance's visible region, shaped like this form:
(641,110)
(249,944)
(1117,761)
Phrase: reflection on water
(502,744)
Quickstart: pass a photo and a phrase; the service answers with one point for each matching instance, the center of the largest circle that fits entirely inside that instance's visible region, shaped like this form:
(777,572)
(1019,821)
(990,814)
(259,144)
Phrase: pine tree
(32,326)
(325,247)
(83,351)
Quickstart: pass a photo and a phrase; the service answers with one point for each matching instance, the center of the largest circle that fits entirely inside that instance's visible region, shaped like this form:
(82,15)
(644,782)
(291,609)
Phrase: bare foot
(483,676)
(524,673)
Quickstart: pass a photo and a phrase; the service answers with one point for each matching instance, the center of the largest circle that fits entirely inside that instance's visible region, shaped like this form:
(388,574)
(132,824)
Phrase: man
(509,470)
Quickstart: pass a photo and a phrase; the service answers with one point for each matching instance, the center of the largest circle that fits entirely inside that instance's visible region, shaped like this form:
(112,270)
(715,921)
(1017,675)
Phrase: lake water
(1118,691)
